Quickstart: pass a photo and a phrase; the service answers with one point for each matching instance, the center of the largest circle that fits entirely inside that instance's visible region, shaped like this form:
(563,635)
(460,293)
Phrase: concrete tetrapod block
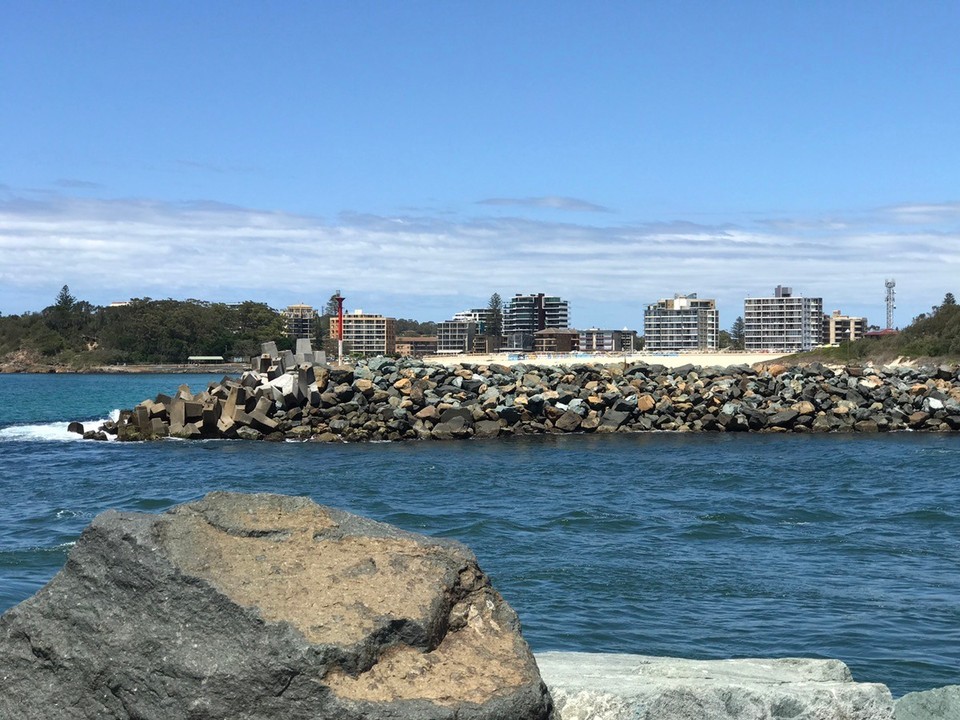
(178,413)
(603,686)
(193,410)
(263,607)
(269,349)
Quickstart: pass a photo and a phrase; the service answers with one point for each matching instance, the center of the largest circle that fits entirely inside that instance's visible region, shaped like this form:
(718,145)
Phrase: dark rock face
(408,399)
(264,606)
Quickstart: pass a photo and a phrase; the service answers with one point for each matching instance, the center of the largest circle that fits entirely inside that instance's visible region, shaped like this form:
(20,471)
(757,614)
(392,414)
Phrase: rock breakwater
(288,396)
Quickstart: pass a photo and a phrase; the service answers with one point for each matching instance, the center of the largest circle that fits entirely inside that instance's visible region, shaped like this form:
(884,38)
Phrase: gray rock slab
(262,607)
(595,686)
(938,704)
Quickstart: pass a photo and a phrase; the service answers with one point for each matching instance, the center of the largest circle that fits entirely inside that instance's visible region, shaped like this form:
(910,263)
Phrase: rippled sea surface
(706,546)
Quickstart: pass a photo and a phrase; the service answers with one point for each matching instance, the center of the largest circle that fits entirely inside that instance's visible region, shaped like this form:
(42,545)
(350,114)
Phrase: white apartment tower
(784,323)
(684,323)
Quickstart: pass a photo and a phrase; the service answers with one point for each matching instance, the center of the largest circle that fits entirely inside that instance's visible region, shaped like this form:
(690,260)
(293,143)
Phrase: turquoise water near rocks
(703,546)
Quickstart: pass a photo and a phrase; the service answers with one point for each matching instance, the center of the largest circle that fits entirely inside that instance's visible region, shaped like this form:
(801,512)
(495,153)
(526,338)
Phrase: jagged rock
(263,607)
(75,427)
(486,429)
(449,414)
(568,422)
(624,687)
(248,433)
(784,418)
(613,419)
(456,427)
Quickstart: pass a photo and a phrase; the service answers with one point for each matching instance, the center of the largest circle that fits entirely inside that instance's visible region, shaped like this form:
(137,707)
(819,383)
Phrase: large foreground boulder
(636,687)
(265,606)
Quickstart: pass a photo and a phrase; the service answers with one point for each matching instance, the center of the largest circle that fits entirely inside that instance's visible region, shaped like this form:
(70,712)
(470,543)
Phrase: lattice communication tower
(891,294)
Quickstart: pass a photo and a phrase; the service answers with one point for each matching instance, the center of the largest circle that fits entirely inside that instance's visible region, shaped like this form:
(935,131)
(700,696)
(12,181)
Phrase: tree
(65,301)
(948,300)
(723,339)
(332,306)
(738,334)
(494,327)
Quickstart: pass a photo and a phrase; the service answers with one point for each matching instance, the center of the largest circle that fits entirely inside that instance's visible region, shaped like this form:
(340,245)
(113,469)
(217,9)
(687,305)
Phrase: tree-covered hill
(74,332)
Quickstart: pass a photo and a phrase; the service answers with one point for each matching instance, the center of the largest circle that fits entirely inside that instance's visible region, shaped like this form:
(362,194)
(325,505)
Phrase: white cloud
(549,202)
(108,250)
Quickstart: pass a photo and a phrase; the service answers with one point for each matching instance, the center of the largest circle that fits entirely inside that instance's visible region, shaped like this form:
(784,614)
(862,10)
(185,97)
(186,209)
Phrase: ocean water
(701,546)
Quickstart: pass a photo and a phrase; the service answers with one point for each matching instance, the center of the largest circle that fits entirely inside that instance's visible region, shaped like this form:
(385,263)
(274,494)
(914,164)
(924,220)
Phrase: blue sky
(420,156)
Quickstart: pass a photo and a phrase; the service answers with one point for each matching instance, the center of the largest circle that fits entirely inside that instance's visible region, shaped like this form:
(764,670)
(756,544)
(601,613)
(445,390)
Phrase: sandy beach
(555,359)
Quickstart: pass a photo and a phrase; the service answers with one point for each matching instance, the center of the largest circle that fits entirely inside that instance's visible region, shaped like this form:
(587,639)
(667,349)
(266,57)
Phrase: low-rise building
(838,328)
(683,323)
(416,345)
(366,334)
(556,340)
(596,340)
(783,323)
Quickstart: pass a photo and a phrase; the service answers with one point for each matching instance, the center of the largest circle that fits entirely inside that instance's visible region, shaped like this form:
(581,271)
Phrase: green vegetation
(412,328)
(74,332)
(933,335)
(936,334)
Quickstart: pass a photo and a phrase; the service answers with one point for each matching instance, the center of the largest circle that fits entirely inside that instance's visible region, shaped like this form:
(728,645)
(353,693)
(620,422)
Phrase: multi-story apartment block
(455,336)
(416,345)
(479,316)
(556,340)
(684,323)
(300,320)
(839,328)
(783,323)
(596,340)
(526,314)
(366,334)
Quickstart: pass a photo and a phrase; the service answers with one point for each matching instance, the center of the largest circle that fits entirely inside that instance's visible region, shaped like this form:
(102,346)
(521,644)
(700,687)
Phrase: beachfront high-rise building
(527,314)
(366,334)
(684,323)
(300,321)
(783,323)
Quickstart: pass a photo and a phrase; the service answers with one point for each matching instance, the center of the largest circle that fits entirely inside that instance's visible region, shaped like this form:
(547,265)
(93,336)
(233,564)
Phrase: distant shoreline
(155,369)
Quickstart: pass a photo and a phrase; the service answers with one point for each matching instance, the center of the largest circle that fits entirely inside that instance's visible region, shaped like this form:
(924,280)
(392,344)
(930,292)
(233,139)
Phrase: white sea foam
(52,432)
